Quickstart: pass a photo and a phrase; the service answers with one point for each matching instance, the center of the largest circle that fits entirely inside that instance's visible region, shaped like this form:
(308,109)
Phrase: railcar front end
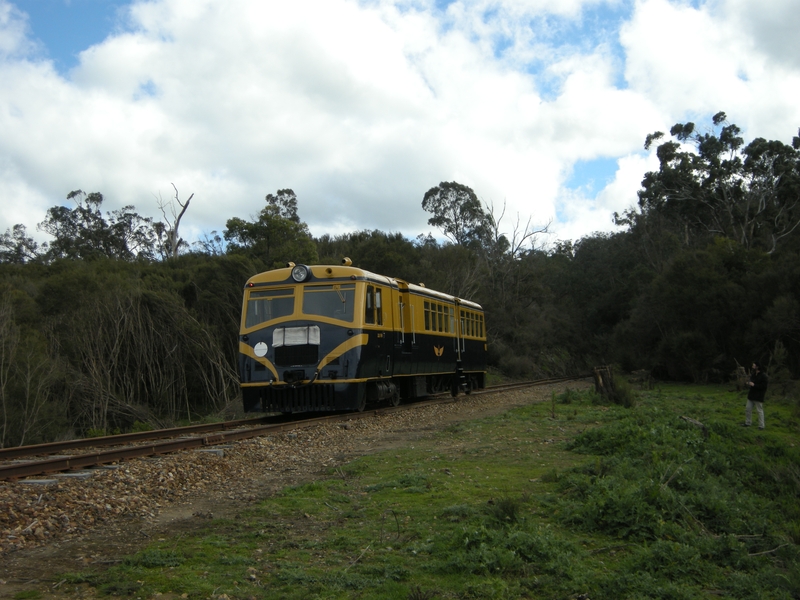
(301,342)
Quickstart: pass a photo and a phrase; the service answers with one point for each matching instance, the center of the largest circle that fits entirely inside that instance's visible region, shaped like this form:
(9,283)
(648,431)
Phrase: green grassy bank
(570,499)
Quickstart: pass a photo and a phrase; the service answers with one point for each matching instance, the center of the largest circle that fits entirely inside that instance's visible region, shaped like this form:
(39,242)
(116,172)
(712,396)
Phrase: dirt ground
(292,459)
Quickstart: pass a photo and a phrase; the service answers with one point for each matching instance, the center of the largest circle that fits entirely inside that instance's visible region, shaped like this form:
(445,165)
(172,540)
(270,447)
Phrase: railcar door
(460,327)
(378,318)
(406,334)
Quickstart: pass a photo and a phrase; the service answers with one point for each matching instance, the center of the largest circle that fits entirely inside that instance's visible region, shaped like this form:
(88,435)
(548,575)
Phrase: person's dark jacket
(759,389)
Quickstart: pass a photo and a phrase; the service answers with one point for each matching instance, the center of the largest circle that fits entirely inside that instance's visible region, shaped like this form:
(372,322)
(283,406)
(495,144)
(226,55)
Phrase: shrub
(459,512)
(568,396)
(623,393)
(505,511)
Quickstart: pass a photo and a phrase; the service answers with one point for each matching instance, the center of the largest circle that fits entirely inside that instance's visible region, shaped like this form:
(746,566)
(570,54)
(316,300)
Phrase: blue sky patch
(146,90)
(596,26)
(443,4)
(67,27)
(591,176)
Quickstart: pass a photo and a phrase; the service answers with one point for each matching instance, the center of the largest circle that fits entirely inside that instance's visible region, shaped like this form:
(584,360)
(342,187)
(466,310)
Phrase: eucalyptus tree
(285,201)
(710,184)
(457,212)
(84,232)
(273,235)
(17,247)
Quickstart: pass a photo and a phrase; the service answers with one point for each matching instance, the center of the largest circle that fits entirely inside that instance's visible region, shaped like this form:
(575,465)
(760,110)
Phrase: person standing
(755,397)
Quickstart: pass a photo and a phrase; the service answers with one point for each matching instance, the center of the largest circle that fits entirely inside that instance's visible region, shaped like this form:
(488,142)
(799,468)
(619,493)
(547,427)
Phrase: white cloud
(361,107)
(692,62)
(13,32)
(772,27)
(682,57)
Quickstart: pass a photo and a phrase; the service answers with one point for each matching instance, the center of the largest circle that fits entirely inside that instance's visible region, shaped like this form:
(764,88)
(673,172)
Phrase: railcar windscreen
(265,305)
(334,301)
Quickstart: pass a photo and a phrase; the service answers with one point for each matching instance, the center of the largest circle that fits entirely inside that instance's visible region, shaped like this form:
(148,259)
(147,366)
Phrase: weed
(388,572)
(505,511)
(568,396)
(233,560)
(340,499)
(550,476)
(417,593)
(415,483)
(77,578)
(520,551)
(793,532)
(155,558)
(623,393)
(121,588)
(456,428)
(595,398)
(457,513)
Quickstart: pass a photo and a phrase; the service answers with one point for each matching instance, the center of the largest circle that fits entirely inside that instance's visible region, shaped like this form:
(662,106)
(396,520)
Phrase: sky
(360,107)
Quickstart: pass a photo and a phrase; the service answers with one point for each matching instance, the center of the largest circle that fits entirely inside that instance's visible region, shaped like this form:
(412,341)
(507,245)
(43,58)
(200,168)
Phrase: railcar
(337,338)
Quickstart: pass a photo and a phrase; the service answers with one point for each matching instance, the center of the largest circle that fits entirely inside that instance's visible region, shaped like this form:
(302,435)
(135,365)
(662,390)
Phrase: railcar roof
(424,291)
(321,273)
(325,272)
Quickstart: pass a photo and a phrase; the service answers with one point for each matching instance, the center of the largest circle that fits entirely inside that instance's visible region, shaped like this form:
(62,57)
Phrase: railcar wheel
(454,388)
(362,403)
(395,399)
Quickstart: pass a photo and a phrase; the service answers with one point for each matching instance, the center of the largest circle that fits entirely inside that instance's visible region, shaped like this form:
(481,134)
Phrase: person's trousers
(748,411)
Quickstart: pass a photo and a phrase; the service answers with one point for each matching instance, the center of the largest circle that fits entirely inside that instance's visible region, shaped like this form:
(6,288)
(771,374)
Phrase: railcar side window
(372,310)
(439,317)
(334,301)
(265,305)
(471,324)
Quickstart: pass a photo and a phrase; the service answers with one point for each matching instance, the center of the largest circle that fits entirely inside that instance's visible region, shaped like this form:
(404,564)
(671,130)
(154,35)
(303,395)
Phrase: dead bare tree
(9,338)
(169,231)
(143,357)
(504,252)
(36,372)
(520,236)
(28,371)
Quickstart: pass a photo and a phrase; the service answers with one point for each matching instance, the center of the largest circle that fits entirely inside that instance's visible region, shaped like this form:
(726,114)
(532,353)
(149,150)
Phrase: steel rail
(122,438)
(82,461)
(94,459)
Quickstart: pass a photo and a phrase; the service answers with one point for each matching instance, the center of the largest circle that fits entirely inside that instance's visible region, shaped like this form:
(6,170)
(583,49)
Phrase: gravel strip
(142,489)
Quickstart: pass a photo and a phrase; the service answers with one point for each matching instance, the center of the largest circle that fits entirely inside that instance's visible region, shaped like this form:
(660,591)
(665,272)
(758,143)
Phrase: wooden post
(604,381)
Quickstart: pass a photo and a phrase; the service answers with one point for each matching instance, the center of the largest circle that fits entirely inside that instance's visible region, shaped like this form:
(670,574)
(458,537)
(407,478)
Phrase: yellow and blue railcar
(330,338)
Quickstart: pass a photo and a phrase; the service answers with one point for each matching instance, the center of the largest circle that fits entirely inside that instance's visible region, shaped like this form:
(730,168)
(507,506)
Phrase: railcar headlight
(300,273)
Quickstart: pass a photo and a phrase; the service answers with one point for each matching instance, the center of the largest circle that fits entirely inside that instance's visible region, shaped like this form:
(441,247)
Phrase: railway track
(142,444)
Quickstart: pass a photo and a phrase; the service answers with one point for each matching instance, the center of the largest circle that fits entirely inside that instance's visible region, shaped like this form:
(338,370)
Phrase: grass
(606,501)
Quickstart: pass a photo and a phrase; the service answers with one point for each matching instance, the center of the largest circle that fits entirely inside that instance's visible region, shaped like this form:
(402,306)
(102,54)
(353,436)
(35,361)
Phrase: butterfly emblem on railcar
(438,350)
